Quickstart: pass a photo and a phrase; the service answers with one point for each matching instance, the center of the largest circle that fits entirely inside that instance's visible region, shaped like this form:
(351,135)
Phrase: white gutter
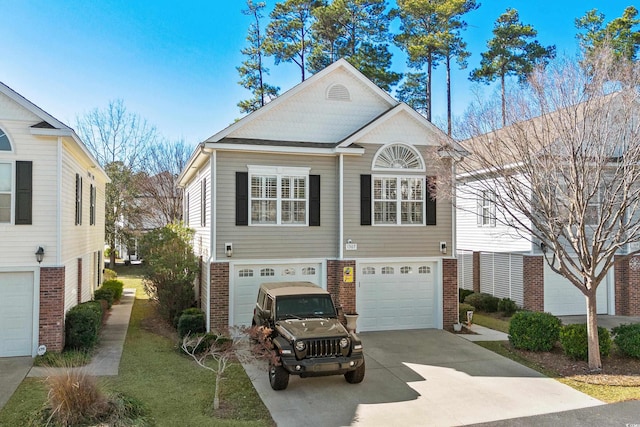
(341,207)
(213,162)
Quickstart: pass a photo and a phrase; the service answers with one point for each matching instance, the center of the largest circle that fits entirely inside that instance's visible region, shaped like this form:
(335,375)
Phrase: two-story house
(52,194)
(329,183)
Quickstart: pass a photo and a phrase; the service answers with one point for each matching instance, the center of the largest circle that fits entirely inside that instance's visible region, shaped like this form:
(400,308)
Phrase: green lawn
(172,388)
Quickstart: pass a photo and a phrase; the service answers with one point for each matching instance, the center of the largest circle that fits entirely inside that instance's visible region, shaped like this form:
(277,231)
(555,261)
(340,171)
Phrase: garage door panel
(16,313)
(400,299)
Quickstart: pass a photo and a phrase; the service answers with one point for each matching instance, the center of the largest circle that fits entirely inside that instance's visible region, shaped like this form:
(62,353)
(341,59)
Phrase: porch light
(40,254)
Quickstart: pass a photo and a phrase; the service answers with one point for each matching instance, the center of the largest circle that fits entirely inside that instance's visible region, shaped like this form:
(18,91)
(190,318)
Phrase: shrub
(574,341)
(109,275)
(82,325)
(627,338)
(534,331)
(507,306)
(462,311)
(463,293)
(105,294)
(192,345)
(483,302)
(192,321)
(116,285)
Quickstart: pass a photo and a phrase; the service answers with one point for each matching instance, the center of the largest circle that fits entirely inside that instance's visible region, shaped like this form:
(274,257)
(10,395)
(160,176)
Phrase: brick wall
(79,280)
(449,292)
(51,323)
(344,294)
(219,297)
(533,282)
(627,287)
(476,272)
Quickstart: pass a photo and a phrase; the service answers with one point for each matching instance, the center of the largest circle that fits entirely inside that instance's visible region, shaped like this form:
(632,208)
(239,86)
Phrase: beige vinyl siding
(276,242)
(202,236)
(391,240)
(21,241)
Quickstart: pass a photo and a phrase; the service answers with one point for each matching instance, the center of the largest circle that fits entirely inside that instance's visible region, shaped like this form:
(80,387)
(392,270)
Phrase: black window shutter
(365,199)
(314,200)
(430,202)
(242,198)
(24,191)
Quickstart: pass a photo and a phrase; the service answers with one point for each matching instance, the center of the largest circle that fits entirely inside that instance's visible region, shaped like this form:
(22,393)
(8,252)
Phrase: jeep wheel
(356,376)
(278,377)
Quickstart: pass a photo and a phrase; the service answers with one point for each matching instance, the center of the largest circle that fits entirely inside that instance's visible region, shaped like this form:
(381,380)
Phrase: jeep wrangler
(308,338)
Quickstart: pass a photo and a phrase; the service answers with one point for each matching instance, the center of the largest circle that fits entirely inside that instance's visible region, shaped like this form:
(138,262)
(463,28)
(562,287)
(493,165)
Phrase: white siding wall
(202,237)
(309,116)
(471,236)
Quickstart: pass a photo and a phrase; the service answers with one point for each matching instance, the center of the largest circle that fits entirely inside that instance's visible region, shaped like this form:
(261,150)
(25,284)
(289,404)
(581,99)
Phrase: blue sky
(174,62)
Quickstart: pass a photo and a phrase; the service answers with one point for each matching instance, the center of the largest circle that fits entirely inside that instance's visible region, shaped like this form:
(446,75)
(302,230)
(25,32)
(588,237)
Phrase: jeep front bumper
(318,366)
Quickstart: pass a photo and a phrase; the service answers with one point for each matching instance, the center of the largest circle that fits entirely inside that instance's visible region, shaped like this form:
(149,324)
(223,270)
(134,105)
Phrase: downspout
(341,208)
(59,206)
(212,229)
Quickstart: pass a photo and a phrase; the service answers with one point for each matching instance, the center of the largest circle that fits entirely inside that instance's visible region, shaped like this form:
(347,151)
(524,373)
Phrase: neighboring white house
(52,194)
(328,183)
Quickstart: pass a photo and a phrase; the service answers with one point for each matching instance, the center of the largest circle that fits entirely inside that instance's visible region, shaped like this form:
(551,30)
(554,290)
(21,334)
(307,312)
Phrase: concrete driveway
(417,378)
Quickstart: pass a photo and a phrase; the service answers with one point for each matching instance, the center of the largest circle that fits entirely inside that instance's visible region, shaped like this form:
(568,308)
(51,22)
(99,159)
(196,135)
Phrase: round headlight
(300,345)
(344,343)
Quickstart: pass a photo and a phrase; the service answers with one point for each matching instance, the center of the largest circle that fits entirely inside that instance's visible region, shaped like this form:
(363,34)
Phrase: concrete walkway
(480,333)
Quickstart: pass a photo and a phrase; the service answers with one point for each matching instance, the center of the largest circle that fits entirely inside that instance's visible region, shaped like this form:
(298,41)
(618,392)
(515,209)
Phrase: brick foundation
(476,272)
(627,286)
(51,323)
(79,280)
(533,282)
(219,295)
(449,292)
(344,294)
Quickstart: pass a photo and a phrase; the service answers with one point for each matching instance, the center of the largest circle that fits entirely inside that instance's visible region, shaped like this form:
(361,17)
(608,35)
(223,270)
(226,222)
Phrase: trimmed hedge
(83,325)
(483,302)
(575,344)
(507,306)
(116,285)
(463,293)
(462,311)
(105,294)
(109,275)
(191,321)
(627,338)
(534,331)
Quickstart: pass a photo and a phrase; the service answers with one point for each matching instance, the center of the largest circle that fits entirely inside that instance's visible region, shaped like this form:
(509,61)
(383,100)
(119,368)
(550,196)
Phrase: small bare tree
(566,174)
(238,344)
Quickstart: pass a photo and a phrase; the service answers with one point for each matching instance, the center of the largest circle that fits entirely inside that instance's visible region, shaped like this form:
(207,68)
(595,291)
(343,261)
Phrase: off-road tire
(356,376)
(278,377)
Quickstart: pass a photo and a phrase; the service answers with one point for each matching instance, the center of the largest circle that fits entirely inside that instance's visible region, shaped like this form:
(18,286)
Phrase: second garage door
(391,296)
(16,314)
(247,280)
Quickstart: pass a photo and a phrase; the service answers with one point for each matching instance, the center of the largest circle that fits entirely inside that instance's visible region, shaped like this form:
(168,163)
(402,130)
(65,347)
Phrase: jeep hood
(313,328)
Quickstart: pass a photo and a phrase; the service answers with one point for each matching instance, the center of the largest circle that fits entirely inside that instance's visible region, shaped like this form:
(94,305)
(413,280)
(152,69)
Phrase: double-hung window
(487,208)
(398,200)
(279,195)
(6,185)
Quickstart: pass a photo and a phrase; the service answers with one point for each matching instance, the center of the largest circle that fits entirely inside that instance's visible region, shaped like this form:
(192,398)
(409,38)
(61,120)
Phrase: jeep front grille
(323,347)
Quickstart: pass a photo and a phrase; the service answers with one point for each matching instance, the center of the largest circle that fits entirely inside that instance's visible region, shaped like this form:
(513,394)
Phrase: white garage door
(561,298)
(247,280)
(16,313)
(392,296)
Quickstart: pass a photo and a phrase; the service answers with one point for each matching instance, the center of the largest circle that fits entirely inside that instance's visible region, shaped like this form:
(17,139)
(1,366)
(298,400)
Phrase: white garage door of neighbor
(247,280)
(16,314)
(391,296)
(561,298)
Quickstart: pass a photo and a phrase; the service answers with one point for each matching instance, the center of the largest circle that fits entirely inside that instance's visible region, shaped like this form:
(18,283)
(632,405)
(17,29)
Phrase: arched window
(5,145)
(398,157)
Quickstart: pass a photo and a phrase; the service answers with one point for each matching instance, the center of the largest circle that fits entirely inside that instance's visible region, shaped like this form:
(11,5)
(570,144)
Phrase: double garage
(389,295)
(17,305)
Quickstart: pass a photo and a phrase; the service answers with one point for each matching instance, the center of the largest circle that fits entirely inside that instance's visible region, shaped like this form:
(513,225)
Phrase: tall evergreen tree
(357,30)
(622,34)
(252,71)
(510,53)
(289,35)
(412,92)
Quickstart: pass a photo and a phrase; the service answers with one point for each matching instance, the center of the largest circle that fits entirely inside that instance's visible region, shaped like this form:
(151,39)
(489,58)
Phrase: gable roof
(50,126)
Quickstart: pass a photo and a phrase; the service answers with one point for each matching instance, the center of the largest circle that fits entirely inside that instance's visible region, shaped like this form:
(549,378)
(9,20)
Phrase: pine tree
(510,53)
(253,70)
(619,34)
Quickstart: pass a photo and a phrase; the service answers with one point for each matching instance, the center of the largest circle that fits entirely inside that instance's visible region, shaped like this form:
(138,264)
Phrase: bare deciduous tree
(566,174)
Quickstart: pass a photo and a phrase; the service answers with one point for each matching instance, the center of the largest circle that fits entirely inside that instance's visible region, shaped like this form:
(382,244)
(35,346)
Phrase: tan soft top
(292,288)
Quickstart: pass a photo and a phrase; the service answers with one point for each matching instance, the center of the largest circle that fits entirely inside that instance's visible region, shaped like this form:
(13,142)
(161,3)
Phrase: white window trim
(12,192)
(279,172)
(11,149)
(398,200)
(382,149)
(491,208)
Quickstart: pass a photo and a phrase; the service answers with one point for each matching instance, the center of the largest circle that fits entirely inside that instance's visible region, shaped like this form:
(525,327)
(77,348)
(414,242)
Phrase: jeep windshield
(304,306)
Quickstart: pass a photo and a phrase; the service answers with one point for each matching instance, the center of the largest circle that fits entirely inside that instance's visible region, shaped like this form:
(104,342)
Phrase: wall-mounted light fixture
(443,247)
(228,249)
(40,254)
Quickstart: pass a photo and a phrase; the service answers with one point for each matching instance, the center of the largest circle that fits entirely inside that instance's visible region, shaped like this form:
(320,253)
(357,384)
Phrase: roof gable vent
(338,92)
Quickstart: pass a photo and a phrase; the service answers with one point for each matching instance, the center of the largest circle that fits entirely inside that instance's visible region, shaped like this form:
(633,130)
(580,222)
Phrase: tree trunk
(428,89)
(216,394)
(449,95)
(595,364)
(504,102)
